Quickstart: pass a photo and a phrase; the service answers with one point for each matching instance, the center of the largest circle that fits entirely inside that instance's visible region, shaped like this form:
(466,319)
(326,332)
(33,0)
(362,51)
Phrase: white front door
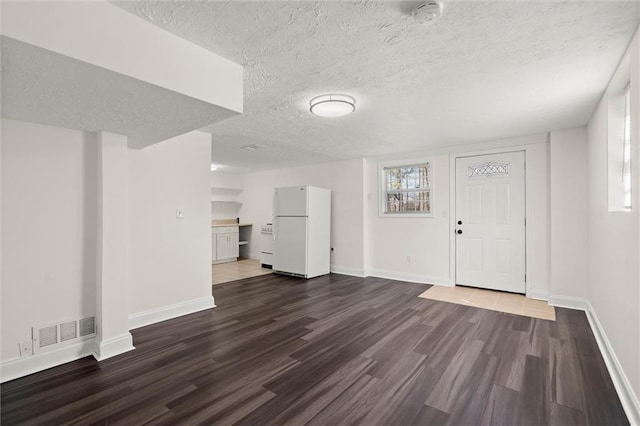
(490,221)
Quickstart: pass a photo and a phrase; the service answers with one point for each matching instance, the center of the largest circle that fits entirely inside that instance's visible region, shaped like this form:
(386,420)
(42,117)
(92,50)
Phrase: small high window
(619,139)
(626,152)
(406,190)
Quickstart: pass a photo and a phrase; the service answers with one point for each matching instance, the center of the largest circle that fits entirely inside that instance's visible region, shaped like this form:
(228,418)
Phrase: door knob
(459,231)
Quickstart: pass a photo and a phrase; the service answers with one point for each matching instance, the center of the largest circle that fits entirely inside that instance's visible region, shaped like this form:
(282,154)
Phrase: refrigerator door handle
(273,232)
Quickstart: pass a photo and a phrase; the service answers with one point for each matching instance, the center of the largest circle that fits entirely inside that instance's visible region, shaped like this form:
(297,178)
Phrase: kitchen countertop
(231,224)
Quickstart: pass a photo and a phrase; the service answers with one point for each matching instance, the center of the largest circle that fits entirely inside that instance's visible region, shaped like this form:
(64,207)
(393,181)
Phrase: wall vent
(68,331)
(47,336)
(87,326)
(51,336)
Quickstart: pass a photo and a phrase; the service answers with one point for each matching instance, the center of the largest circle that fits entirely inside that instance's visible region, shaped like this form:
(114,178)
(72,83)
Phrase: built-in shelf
(243,243)
(225,195)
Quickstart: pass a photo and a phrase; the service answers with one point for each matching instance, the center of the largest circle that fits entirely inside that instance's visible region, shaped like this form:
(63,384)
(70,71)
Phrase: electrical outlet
(179,214)
(26,347)
(409,259)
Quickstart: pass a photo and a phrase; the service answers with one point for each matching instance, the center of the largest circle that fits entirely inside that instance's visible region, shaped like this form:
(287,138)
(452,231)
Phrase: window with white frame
(405,189)
(619,123)
(626,151)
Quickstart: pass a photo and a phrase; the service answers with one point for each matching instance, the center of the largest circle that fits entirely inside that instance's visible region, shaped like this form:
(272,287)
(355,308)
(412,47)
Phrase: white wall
(344,178)
(428,240)
(49,228)
(569,195)
(538,220)
(366,244)
(227,180)
(614,240)
(425,239)
(170,258)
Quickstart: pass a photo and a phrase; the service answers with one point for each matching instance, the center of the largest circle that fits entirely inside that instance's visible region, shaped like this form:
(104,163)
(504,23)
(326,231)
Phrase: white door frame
(452,209)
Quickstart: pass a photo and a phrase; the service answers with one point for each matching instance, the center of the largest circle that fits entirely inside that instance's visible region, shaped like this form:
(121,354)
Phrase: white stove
(266,245)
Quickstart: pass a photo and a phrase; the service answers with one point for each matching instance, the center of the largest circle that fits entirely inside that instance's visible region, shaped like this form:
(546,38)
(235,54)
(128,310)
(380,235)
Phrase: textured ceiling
(486,70)
(44,87)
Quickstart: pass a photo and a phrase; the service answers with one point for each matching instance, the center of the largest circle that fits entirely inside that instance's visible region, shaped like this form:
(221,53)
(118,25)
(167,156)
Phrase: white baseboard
(164,313)
(115,346)
(570,302)
(20,367)
(538,295)
(345,270)
(627,396)
(414,278)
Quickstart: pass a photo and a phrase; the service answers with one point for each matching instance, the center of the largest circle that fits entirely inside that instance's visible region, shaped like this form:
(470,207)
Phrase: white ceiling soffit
(44,87)
(93,66)
(484,71)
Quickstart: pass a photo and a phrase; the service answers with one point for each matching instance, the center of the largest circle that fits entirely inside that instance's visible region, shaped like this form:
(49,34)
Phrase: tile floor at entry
(492,300)
(231,271)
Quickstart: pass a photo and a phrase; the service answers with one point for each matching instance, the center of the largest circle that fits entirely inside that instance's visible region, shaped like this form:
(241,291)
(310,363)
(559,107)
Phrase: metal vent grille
(48,336)
(68,331)
(87,326)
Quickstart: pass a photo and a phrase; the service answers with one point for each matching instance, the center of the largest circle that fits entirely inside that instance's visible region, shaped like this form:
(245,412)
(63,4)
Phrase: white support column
(113,335)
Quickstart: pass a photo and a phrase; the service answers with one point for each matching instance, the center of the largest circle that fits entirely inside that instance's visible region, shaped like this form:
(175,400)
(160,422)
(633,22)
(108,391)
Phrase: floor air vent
(52,336)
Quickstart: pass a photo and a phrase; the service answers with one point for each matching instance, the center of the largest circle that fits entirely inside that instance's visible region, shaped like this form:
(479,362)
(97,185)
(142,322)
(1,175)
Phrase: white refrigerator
(302,231)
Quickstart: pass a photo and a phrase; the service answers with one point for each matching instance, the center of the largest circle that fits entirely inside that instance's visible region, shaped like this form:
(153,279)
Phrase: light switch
(179,214)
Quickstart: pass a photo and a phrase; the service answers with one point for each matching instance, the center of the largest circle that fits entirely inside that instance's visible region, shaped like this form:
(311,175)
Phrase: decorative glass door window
(406,190)
(488,169)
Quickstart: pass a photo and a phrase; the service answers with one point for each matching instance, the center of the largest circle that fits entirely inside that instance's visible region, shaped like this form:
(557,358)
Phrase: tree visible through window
(407,189)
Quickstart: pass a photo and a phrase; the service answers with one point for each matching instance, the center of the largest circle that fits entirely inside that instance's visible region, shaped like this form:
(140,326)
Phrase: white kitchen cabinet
(226,241)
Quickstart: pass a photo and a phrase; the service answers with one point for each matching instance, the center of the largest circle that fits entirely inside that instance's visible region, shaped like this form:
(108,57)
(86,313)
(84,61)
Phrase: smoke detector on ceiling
(427,12)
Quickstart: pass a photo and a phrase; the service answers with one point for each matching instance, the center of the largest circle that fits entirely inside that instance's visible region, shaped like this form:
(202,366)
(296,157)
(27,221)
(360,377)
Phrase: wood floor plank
(472,401)
(409,407)
(561,415)
(566,383)
(503,407)
(332,350)
(535,398)
(456,377)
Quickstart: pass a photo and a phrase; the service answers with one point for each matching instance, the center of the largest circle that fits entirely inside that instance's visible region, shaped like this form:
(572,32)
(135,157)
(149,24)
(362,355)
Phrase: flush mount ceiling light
(331,106)
(214,167)
(428,11)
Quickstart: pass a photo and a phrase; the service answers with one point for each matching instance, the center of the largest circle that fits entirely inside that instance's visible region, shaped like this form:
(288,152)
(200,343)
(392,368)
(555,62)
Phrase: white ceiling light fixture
(332,106)
(427,12)
(214,167)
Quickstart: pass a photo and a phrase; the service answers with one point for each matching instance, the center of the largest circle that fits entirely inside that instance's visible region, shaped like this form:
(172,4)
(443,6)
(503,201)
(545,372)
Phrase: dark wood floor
(333,350)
